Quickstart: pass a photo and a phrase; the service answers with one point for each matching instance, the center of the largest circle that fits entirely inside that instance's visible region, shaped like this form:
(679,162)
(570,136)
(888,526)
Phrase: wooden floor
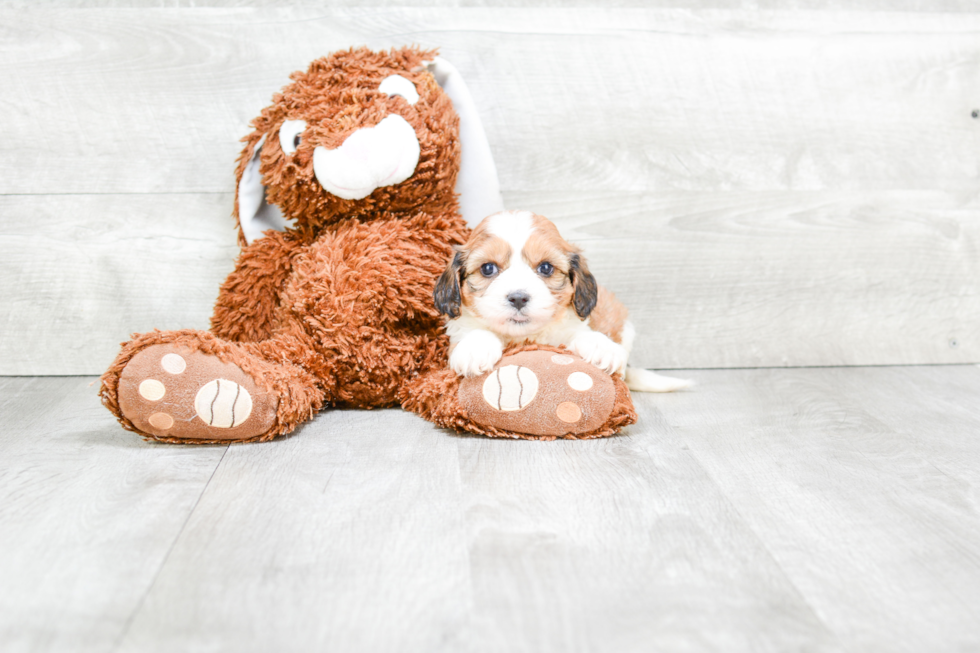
(815,509)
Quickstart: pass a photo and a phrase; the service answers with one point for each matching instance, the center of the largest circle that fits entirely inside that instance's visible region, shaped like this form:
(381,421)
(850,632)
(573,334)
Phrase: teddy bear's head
(359,134)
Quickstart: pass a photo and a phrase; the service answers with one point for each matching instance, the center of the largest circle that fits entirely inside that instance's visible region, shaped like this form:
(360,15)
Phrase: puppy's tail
(647,381)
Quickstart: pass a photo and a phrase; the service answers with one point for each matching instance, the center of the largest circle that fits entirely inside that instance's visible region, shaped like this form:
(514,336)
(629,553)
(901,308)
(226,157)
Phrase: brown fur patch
(546,245)
(483,247)
(491,250)
(609,316)
(337,95)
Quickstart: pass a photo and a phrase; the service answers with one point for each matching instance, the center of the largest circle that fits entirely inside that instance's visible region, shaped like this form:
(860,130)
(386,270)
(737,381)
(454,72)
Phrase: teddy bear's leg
(535,392)
(189,386)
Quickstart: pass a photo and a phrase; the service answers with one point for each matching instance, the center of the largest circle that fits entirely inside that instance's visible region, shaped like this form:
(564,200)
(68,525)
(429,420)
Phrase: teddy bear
(351,194)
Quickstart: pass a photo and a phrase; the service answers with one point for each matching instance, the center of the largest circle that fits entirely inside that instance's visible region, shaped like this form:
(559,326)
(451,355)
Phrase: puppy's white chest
(562,330)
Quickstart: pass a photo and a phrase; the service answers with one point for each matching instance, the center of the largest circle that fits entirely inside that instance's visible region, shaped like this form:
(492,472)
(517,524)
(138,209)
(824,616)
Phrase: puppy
(515,280)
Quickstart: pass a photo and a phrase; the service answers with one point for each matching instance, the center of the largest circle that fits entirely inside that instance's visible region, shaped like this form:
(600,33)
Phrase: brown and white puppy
(515,280)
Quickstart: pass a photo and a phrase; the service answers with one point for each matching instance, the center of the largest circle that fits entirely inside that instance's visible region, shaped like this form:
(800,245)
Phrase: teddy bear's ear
(255,215)
(477,183)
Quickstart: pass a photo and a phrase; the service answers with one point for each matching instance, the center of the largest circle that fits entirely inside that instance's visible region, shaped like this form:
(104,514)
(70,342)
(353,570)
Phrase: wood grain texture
(762,187)
(784,278)
(938,413)
(83,272)
(88,514)
(619,545)
(828,509)
(630,100)
(858,506)
(345,537)
(928,6)
(723,280)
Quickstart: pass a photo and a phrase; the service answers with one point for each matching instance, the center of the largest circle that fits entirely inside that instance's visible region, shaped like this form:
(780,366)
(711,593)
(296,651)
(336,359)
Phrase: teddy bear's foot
(175,393)
(540,393)
(548,394)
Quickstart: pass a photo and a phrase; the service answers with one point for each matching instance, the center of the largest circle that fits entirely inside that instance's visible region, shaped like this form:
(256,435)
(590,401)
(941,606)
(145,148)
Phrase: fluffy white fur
(479,335)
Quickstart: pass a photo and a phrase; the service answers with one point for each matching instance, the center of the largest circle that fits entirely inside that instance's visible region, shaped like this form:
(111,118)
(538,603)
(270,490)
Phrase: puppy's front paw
(475,354)
(599,350)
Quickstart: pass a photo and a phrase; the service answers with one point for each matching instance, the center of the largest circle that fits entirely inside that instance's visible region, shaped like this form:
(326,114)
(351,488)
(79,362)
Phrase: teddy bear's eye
(291,135)
(398,85)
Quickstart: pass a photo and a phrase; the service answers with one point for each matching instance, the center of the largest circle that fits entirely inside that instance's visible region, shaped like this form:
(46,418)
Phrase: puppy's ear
(447,292)
(586,288)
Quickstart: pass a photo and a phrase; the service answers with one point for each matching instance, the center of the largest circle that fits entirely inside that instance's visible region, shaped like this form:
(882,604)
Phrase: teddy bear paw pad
(540,393)
(175,392)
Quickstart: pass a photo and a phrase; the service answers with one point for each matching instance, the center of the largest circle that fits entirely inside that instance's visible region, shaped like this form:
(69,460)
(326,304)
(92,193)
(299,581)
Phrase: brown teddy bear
(348,212)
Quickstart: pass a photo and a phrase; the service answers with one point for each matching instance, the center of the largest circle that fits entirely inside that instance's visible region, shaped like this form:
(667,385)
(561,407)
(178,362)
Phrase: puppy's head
(516,274)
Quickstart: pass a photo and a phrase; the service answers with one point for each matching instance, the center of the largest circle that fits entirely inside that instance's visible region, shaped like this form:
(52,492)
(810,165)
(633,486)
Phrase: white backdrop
(762,187)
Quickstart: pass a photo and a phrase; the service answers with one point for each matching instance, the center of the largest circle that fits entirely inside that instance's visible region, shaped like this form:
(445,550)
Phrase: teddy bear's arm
(380,272)
(249,297)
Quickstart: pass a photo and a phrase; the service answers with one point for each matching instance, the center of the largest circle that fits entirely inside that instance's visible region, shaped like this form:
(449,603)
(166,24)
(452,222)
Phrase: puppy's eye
(488,269)
(291,135)
(398,85)
(546,269)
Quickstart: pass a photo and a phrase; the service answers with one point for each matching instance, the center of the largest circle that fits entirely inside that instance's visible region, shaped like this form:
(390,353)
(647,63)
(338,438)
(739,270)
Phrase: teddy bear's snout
(370,158)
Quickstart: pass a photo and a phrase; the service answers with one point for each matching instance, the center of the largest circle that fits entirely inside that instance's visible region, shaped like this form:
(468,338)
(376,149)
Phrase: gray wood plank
(345,537)
(356,534)
(155,100)
(939,414)
(844,128)
(619,545)
(878,539)
(784,278)
(930,6)
(803,180)
(88,514)
(807,509)
(83,272)
(712,280)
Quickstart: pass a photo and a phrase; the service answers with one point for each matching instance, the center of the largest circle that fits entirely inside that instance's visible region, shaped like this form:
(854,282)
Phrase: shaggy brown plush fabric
(338,95)
(338,310)
(440,398)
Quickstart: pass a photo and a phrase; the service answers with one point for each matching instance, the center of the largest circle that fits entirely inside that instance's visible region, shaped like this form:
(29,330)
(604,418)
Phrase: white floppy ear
(477,183)
(255,215)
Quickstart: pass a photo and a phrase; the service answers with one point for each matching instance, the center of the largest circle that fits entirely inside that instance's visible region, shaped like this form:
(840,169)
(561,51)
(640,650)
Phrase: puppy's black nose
(518,299)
